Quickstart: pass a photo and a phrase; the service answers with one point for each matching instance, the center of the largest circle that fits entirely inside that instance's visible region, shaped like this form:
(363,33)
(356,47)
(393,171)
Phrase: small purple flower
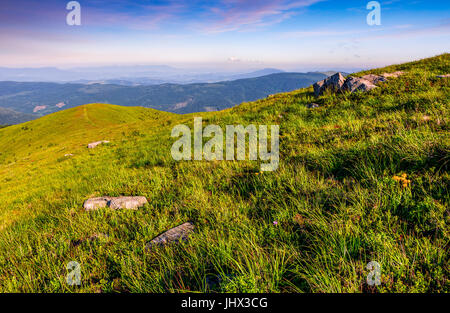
(275,223)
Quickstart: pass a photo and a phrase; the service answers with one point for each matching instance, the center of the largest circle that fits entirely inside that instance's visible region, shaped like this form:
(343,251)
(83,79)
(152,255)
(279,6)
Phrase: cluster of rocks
(173,235)
(338,83)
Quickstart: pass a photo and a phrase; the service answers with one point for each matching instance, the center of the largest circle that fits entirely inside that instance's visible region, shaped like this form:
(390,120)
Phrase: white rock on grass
(95,144)
(394,74)
(131,203)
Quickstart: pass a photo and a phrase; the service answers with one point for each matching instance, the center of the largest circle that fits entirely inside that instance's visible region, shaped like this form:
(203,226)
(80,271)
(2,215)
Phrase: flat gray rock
(394,74)
(130,203)
(173,235)
(374,79)
(92,145)
(354,84)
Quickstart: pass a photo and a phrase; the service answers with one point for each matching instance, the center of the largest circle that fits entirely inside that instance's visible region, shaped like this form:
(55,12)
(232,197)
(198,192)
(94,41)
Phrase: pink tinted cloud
(235,14)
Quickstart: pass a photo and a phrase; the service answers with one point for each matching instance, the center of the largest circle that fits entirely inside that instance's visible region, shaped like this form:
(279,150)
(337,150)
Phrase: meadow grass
(335,196)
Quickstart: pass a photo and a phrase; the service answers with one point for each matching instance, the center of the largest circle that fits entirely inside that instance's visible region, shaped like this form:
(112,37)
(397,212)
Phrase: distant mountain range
(125,75)
(37,99)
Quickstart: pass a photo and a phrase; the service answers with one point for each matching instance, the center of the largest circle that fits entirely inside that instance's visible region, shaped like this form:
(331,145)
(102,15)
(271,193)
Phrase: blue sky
(226,34)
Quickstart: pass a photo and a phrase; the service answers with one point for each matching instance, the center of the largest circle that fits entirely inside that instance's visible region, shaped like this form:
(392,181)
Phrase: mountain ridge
(42,98)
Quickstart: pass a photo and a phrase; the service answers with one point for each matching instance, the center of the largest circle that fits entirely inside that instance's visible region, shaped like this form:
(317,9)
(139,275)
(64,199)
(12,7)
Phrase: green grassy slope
(334,196)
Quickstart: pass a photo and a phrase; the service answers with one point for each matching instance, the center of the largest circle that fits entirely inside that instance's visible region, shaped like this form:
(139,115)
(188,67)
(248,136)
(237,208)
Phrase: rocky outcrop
(173,235)
(92,145)
(333,83)
(319,88)
(337,82)
(114,203)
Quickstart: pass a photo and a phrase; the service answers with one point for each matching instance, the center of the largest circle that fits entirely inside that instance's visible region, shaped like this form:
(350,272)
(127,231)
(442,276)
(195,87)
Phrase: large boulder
(334,83)
(173,235)
(354,84)
(114,203)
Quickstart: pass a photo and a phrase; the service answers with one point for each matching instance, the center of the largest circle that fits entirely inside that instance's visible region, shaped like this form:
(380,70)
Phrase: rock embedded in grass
(334,83)
(443,76)
(338,83)
(312,105)
(131,203)
(173,235)
(374,79)
(394,74)
(354,84)
(92,145)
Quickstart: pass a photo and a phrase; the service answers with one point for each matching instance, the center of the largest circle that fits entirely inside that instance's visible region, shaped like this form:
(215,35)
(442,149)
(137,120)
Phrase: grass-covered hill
(363,177)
